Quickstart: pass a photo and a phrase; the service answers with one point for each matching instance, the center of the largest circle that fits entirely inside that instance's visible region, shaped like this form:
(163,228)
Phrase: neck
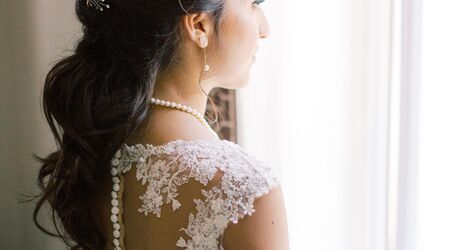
(182,89)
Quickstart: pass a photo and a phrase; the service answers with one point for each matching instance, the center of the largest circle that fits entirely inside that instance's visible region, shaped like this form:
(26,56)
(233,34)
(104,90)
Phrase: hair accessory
(98,4)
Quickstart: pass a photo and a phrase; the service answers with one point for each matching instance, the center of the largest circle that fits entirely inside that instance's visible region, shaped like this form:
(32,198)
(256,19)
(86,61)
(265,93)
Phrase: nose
(264,29)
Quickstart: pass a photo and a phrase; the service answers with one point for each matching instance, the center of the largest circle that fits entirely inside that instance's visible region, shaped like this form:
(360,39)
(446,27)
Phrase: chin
(237,82)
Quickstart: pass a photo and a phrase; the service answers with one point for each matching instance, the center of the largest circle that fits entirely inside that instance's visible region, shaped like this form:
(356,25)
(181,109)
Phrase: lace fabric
(164,168)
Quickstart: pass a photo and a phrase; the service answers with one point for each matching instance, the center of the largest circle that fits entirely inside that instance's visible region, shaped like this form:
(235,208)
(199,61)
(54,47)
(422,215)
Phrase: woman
(138,166)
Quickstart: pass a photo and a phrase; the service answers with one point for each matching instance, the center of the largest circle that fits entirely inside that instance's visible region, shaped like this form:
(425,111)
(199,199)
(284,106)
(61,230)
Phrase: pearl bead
(115,162)
(114,194)
(116,233)
(116,226)
(116,242)
(116,179)
(115,210)
(117,154)
(115,202)
(114,218)
(206,67)
(118,248)
(114,171)
(116,187)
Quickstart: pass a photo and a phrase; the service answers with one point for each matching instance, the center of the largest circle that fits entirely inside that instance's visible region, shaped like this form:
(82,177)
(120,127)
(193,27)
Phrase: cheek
(240,45)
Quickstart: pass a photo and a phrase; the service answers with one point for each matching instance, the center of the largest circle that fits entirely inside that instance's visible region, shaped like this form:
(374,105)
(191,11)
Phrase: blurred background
(348,101)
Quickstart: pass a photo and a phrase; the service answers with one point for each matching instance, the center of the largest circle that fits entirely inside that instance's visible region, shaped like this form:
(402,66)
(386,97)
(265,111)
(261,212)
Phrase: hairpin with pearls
(98,4)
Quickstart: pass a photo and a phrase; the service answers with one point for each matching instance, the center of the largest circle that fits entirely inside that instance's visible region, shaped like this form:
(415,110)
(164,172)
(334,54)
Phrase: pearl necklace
(116,193)
(184,108)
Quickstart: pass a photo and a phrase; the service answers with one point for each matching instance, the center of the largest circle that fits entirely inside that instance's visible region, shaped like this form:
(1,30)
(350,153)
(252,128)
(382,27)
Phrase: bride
(138,166)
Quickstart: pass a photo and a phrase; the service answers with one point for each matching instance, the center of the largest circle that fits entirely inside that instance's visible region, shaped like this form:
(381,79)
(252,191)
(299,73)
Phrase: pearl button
(115,210)
(116,233)
(114,218)
(115,162)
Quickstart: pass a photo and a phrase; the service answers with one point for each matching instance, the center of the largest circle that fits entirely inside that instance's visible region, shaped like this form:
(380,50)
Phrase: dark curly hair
(98,96)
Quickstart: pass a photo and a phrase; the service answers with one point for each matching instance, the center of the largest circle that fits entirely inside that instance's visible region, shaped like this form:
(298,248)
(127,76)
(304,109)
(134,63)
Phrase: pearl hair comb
(98,4)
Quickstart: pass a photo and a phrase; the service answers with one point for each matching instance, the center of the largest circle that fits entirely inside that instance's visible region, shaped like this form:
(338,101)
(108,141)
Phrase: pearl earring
(204,44)
(203,41)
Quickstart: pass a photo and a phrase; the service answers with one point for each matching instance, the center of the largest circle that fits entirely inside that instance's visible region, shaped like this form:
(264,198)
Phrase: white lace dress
(166,167)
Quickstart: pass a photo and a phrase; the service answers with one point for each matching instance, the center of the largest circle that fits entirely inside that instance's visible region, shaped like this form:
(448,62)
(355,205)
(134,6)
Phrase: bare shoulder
(168,125)
(265,229)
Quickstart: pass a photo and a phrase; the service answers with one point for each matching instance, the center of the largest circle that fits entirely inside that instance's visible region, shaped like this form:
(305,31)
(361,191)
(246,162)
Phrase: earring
(203,41)
(204,44)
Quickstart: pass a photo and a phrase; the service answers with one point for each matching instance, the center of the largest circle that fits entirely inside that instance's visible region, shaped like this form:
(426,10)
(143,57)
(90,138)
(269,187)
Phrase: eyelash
(258,2)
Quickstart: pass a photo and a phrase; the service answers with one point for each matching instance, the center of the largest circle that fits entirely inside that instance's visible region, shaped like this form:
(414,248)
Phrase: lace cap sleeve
(164,168)
(246,178)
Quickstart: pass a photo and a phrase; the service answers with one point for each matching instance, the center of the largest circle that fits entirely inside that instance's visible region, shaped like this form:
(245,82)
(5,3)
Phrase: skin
(244,23)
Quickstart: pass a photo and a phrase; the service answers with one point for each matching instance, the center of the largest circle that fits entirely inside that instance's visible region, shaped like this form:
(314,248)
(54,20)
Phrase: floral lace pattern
(166,167)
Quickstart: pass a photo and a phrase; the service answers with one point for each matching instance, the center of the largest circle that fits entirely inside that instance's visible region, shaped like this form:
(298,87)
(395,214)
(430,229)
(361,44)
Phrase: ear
(198,26)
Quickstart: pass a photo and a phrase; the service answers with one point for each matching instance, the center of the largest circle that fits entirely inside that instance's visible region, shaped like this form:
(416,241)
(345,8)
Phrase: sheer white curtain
(349,102)
(317,109)
(433,181)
